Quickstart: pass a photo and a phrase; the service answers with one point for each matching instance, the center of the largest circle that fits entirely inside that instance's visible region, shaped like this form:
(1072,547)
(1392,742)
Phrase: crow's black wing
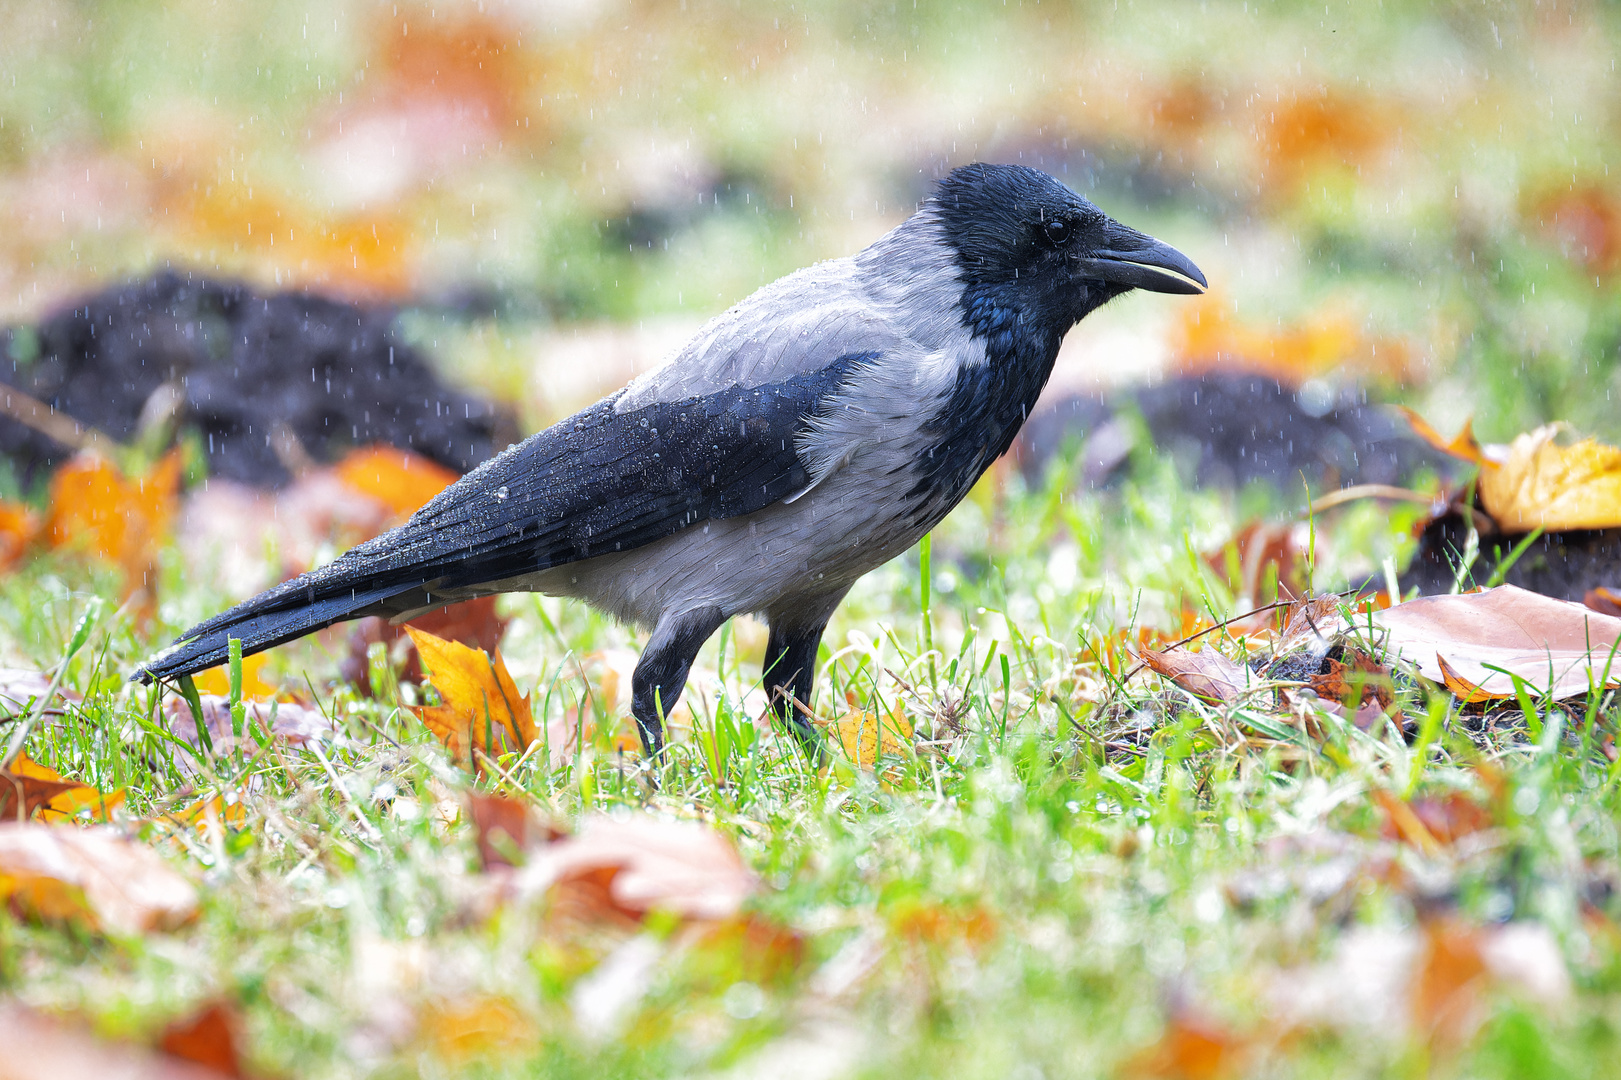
(603,480)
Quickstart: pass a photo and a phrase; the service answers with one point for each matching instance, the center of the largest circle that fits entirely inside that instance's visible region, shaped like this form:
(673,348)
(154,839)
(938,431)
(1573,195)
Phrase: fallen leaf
(1264,562)
(208,1037)
(26,786)
(506,826)
(1207,674)
(217,680)
(475,623)
(462,1031)
(1192,1048)
(1361,681)
(1555,646)
(61,873)
(1431,823)
(288,721)
(210,815)
(481,707)
(20,687)
(943,924)
(865,737)
(642,863)
(1542,485)
(1462,445)
(1604,601)
(1585,221)
(397,478)
(94,507)
(18,527)
(38,1045)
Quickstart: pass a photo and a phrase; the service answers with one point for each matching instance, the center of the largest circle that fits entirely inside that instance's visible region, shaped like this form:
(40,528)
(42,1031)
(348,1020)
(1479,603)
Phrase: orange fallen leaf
(26,786)
(208,1037)
(943,924)
(1450,984)
(1604,601)
(94,507)
(1462,445)
(18,527)
(397,478)
(1191,1048)
(37,1045)
(93,876)
(1555,646)
(482,708)
(1431,821)
(1206,674)
(212,814)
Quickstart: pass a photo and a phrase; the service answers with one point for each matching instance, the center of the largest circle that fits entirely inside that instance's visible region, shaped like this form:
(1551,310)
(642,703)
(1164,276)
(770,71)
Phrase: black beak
(1131,258)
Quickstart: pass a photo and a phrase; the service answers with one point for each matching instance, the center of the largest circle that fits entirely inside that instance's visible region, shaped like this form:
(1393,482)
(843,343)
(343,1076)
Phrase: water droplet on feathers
(501,492)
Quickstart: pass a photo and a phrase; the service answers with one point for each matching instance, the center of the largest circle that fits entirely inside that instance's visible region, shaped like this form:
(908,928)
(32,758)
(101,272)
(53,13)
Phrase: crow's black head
(1029,247)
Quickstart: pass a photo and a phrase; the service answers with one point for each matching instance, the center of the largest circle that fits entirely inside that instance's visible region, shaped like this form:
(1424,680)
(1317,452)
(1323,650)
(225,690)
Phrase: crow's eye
(1057,231)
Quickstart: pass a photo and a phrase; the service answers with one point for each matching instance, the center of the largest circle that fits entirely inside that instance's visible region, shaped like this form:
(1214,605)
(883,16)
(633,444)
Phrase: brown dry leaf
(288,721)
(397,478)
(1192,1048)
(38,1046)
(1450,984)
(481,707)
(1362,680)
(18,527)
(504,824)
(95,507)
(865,737)
(1429,823)
(1207,674)
(630,866)
(26,786)
(1604,601)
(463,1031)
(1554,645)
(1542,485)
(91,875)
(208,1037)
(1264,560)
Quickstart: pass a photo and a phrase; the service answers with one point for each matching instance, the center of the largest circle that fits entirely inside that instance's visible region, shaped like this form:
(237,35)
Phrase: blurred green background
(1416,197)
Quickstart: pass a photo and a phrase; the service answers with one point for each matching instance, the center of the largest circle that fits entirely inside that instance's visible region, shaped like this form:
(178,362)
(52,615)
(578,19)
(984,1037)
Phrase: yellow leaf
(1462,445)
(865,737)
(398,479)
(1544,485)
(460,1032)
(217,680)
(481,707)
(96,508)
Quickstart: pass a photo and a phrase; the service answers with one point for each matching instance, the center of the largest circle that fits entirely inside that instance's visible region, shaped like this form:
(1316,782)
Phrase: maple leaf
(1476,642)
(482,708)
(865,737)
(1207,674)
(93,876)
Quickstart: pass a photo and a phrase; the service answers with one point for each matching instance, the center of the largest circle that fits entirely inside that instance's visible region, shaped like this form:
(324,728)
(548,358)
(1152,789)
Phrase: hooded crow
(810,434)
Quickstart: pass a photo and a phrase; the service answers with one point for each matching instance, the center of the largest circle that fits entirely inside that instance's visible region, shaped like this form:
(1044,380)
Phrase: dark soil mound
(1230,429)
(242,370)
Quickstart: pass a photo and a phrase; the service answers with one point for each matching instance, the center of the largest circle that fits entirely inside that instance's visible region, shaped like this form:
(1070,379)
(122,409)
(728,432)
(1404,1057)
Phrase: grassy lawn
(1056,874)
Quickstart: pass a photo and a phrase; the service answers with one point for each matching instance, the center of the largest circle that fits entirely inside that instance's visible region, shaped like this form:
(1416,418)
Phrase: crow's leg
(662,673)
(790,663)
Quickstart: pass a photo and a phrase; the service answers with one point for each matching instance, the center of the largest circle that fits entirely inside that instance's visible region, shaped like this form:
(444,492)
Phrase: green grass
(1059,869)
